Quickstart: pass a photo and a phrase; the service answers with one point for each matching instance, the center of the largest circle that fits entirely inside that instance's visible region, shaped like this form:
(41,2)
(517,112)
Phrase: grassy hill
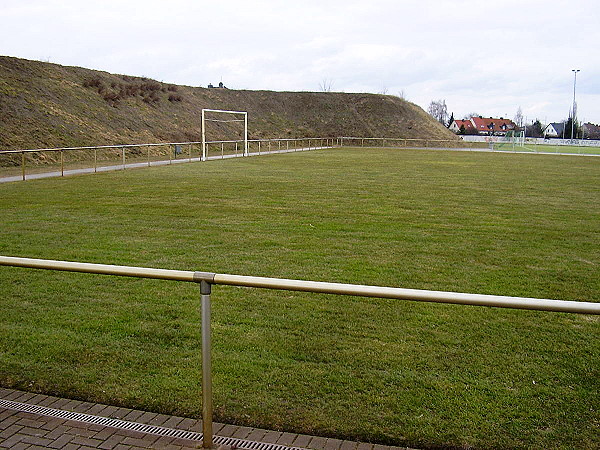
(48,105)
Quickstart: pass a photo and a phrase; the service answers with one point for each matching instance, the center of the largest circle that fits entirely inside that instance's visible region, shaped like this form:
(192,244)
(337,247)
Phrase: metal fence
(19,164)
(207,279)
(537,141)
(36,163)
(406,142)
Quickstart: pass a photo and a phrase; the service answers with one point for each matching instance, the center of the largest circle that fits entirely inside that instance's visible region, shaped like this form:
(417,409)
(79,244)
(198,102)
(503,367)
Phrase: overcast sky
(482,57)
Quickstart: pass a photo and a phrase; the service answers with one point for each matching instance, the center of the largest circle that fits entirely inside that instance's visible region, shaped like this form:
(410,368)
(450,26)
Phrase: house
(488,126)
(591,131)
(555,129)
(462,127)
(493,127)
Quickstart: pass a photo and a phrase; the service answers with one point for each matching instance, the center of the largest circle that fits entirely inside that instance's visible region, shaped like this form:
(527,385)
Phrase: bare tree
(326,85)
(383,91)
(402,94)
(518,120)
(439,111)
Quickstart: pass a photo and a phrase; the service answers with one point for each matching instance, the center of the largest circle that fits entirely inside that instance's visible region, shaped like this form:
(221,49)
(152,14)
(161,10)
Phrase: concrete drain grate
(135,426)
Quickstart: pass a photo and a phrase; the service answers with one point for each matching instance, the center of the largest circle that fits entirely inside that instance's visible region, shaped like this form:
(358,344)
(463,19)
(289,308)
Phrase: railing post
(23,164)
(207,430)
(95,160)
(203,158)
(123,152)
(245,134)
(62,164)
(148,148)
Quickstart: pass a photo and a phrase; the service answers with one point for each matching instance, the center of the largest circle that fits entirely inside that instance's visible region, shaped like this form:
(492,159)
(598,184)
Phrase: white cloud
(485,57)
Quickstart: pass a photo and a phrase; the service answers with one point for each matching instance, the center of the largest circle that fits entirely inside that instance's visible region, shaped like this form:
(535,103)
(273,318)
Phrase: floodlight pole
(574,107)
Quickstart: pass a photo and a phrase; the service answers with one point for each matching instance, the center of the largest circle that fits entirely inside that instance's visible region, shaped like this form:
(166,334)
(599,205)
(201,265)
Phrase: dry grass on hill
(48,105)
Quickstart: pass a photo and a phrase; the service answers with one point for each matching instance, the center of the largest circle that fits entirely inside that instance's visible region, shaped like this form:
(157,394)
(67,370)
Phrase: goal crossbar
(217,120)
(204,120)
(224,111)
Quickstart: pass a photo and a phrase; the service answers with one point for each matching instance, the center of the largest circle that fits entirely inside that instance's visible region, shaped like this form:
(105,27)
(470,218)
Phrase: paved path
(53,174)
(33,421)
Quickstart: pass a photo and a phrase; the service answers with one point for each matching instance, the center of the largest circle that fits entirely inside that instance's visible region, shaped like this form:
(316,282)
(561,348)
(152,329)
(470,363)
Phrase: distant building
(488,126)
(221,86)
(555,129)
(462,127)
(591,131)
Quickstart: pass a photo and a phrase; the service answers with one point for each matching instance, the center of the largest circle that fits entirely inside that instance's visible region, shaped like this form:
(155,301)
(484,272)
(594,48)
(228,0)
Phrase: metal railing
(406,142)
(207,279)
(138,155)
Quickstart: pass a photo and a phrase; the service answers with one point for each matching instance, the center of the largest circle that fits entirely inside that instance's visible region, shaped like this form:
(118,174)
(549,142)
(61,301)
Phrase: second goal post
(236,114)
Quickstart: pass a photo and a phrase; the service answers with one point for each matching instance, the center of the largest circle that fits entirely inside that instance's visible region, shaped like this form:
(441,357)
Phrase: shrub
(150,86)
(146,88)
(111,97)
(93,82)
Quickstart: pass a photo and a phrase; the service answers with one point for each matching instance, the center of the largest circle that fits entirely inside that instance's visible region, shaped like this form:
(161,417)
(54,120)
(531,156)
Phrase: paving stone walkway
(71,424)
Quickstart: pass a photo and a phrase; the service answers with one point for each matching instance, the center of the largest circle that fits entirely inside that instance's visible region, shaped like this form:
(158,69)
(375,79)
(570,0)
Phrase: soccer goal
(211,113)
(511,140)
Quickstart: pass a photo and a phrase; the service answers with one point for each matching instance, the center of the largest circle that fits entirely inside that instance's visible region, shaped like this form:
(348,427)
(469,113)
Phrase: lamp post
(574,107)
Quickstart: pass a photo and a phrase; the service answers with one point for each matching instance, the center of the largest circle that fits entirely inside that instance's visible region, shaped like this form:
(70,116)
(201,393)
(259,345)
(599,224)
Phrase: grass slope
(48,105)
(387,371)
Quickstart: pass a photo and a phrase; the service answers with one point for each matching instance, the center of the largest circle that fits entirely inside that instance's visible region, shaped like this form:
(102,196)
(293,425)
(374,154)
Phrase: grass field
(580,150)
(386,371)
(564,149)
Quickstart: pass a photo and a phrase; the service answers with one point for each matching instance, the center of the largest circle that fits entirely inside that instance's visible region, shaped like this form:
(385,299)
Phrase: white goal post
(204,120)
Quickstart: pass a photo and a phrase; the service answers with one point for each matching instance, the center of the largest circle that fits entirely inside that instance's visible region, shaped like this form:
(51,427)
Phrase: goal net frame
(204,120)
(511,138)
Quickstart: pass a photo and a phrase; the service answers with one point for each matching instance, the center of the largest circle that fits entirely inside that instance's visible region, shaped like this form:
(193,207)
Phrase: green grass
(564,149)
(543,148)
(385,371)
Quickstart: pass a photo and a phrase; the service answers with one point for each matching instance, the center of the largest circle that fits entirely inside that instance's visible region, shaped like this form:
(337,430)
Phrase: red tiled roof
(466,123)
(491,124)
